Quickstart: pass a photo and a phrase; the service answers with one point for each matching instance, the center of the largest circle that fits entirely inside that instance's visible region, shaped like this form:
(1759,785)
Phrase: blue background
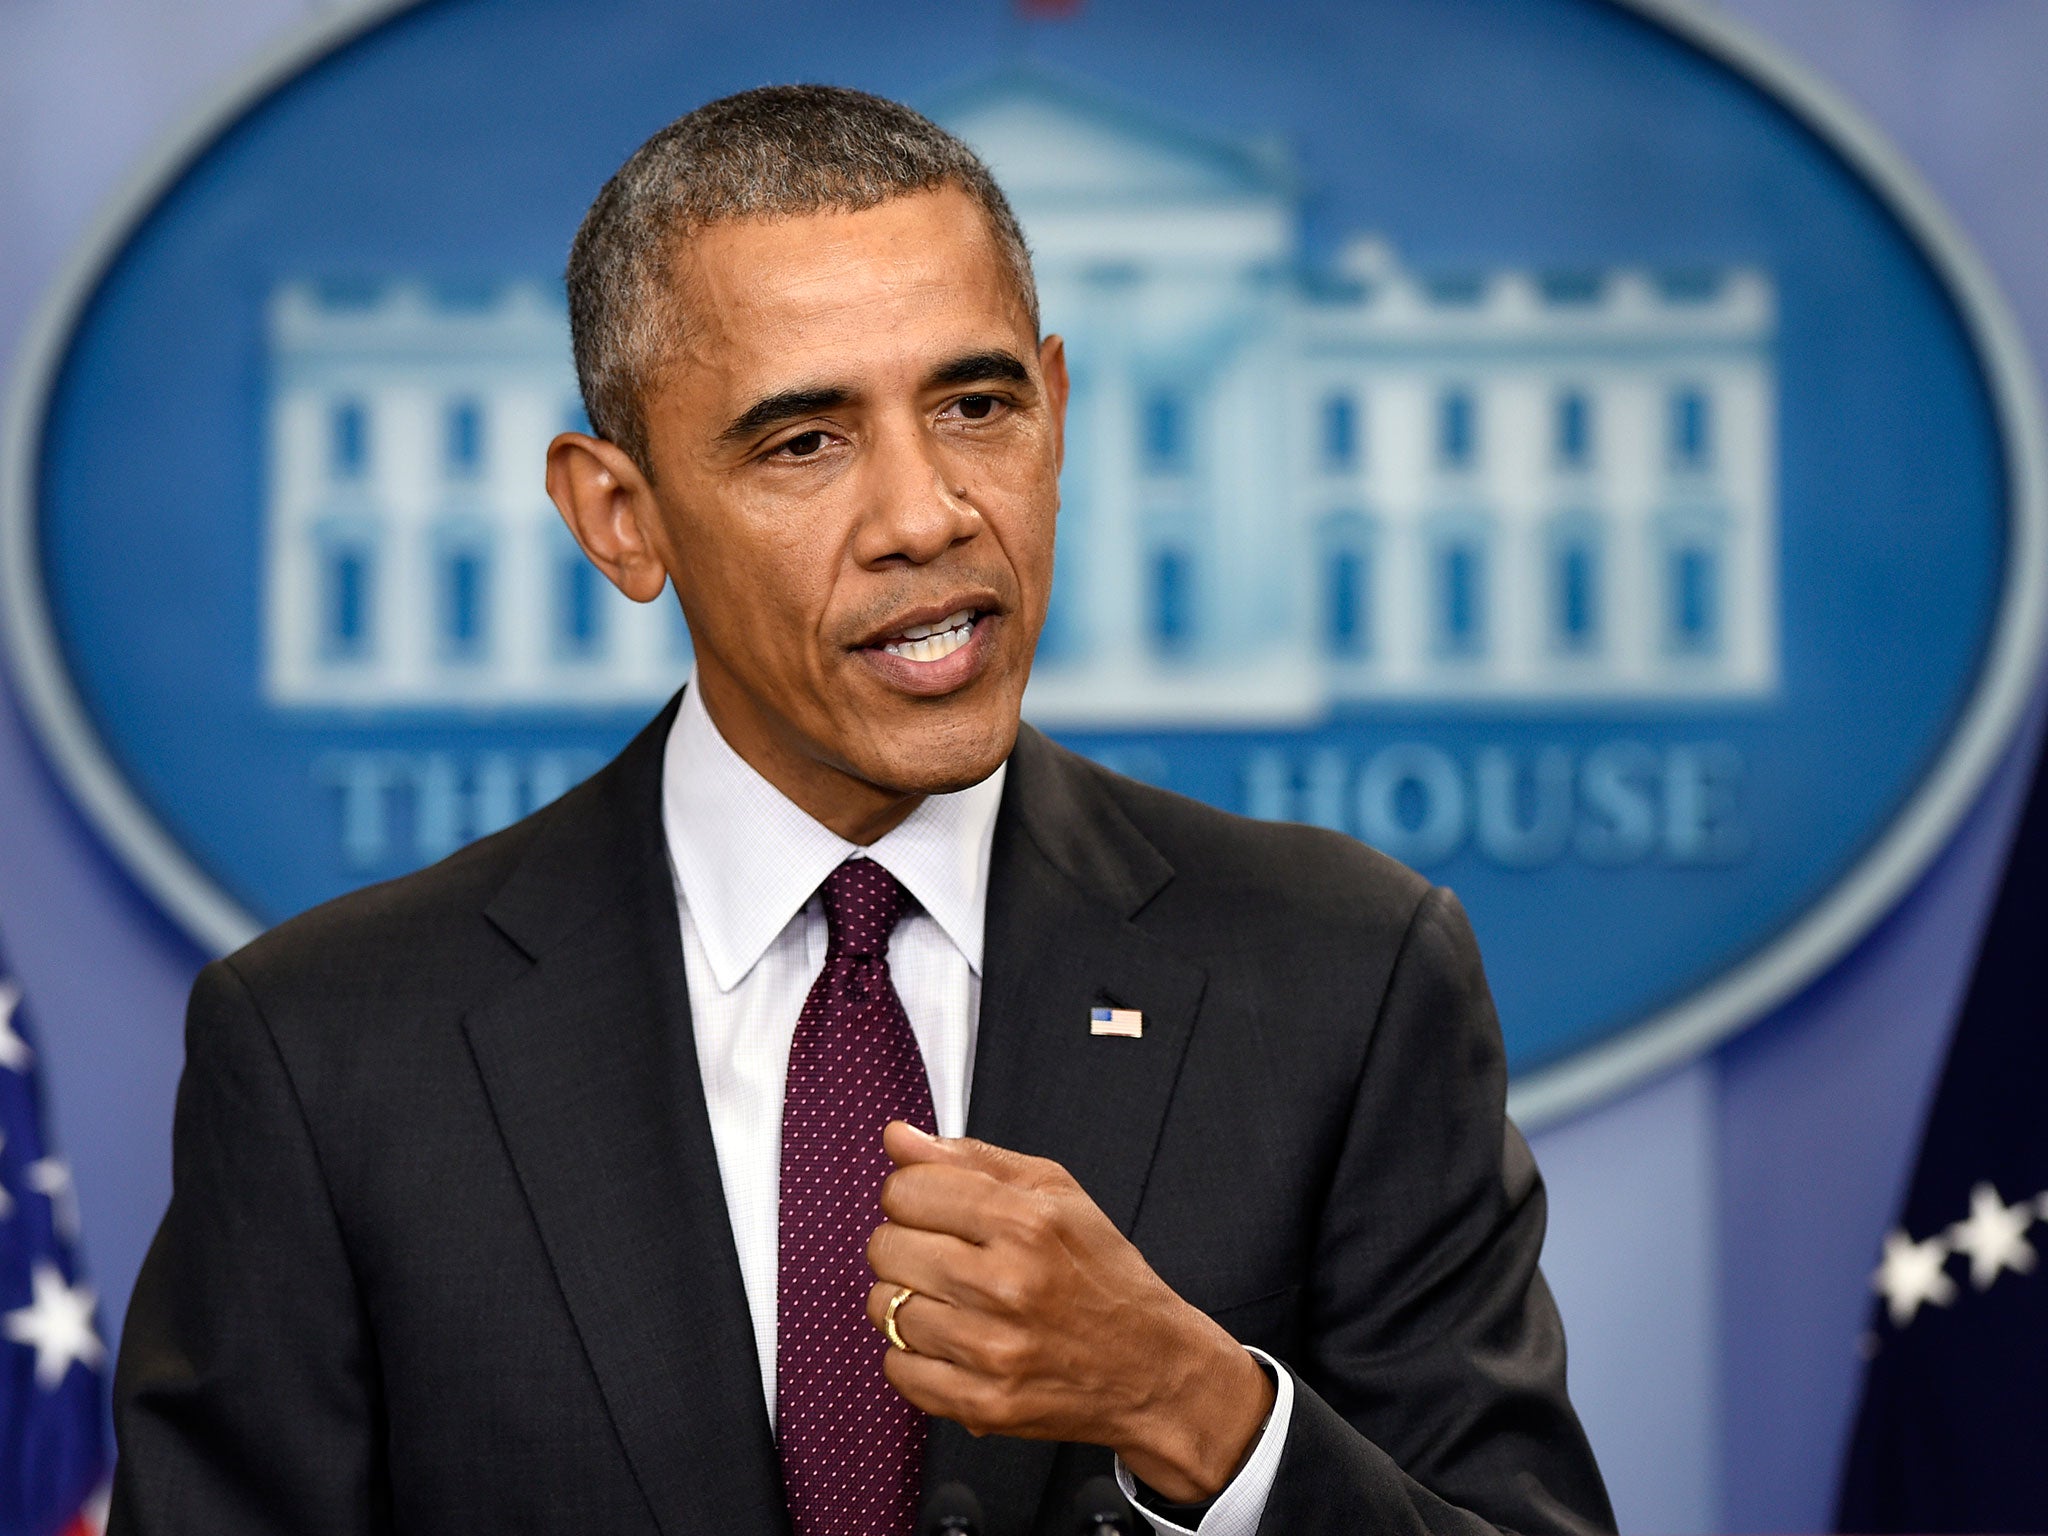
(462,140)
(1712,1233)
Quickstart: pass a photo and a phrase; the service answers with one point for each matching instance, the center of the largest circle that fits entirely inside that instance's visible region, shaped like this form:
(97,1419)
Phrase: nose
(917,509)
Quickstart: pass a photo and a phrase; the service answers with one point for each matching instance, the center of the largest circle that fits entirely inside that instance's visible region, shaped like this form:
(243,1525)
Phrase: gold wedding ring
(889,1320)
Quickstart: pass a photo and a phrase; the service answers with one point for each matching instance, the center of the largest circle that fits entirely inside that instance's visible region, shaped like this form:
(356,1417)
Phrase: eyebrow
(976,367)
(792,404)
(787,406)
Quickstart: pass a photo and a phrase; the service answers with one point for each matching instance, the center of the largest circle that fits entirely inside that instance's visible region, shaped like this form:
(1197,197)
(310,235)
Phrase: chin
(937,758)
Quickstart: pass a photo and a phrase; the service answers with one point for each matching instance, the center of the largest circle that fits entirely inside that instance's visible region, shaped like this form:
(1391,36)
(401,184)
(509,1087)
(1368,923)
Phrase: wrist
(1193,1438)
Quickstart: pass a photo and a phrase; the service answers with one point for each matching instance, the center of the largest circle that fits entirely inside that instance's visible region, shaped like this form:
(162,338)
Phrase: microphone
(1100,1509)
(952,1510)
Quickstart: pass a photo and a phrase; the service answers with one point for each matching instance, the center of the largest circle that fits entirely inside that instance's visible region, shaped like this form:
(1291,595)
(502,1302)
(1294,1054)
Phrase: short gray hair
(776,152)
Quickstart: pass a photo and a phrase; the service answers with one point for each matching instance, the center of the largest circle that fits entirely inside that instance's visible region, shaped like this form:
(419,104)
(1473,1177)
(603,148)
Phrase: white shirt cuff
(1242,1503)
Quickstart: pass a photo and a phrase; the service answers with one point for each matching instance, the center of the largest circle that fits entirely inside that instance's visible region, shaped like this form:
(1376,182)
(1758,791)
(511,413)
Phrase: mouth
(933,642)
(936,653)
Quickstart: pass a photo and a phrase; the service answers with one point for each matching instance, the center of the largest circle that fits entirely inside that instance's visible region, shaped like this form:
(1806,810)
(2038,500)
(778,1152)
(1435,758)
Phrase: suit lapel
(590,1067)
(591,1070)
(1068,873)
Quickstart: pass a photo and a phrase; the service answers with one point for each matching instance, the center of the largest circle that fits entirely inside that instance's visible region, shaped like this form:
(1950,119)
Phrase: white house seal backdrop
(1545,438)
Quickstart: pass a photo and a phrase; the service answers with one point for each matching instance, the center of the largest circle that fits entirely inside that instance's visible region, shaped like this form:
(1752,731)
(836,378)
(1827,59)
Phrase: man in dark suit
(544,1190)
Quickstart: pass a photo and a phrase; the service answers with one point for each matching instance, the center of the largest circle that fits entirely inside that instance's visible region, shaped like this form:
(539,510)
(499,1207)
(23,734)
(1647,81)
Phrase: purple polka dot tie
(852,1450)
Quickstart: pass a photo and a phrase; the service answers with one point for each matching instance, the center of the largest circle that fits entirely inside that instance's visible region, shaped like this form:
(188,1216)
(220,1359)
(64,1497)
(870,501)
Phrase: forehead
(780,294)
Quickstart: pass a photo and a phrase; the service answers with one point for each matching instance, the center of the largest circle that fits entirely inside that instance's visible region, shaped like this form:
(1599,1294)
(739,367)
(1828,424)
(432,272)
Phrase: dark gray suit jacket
(448,1251)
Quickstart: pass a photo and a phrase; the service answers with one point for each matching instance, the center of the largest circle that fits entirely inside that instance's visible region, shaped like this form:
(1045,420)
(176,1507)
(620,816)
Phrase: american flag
(53,1450)
(1955,1398)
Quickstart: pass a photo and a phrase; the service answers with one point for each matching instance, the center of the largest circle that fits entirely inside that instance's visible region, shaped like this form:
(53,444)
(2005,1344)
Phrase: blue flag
(1952,1434)
(53,1454)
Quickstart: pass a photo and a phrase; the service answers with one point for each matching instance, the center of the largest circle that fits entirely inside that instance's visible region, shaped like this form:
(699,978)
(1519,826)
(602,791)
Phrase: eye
(803,445)
(977,407)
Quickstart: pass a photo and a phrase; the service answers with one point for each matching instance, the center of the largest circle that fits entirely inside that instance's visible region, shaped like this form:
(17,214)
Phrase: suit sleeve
(1430,1382)
(246,1398)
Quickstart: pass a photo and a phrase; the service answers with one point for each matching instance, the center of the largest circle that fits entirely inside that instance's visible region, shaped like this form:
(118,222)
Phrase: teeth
(931,642)
(951,621)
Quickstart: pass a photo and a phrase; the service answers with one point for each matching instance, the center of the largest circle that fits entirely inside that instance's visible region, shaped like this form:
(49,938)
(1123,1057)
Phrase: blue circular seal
(1552,440)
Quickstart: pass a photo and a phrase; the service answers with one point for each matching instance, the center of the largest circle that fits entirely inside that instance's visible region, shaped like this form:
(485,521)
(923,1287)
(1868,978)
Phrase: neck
(843,804)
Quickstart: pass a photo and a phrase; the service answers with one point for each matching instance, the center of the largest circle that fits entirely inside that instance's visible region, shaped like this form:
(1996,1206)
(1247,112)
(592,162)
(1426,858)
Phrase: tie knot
(863,904)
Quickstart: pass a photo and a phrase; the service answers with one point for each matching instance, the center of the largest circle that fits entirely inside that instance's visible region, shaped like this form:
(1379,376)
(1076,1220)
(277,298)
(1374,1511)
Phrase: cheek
(1035,522)
(755,582)
(794,575)
(1019,493)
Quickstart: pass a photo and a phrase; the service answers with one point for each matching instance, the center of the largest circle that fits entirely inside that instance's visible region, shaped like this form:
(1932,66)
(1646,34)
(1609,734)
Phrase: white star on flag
(51,1176)
(1994,1235)
(14,1052)
(57,1324)
(1910,1276)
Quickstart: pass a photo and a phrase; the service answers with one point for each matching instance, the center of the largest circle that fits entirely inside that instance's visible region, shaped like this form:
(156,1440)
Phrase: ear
(610,508)
(1052,366)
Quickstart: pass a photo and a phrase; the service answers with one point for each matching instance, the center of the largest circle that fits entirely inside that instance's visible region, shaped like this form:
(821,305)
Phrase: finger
(906,1145)
(935,1263)
(926,1325)
(880,1294)
(940,1197)
(949,1390)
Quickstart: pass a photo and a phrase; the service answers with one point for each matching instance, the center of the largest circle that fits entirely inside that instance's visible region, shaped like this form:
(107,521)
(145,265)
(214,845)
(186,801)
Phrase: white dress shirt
(747,865)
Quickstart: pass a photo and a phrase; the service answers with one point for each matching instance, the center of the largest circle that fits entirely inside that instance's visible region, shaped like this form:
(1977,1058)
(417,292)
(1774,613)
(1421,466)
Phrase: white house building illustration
(412,556)
(1285,489)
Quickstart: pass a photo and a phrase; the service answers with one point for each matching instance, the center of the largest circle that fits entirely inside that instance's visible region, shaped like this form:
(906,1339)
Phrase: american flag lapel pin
(1126,1022)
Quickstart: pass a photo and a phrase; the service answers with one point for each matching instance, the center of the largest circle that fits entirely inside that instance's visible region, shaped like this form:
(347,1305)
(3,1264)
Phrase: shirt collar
(747,859)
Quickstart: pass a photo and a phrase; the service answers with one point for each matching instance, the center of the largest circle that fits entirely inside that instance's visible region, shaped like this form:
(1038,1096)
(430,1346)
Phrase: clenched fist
(1033,1316)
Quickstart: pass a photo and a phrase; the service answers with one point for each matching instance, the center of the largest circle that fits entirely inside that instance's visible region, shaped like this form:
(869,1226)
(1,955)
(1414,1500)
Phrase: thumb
(906,1144)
